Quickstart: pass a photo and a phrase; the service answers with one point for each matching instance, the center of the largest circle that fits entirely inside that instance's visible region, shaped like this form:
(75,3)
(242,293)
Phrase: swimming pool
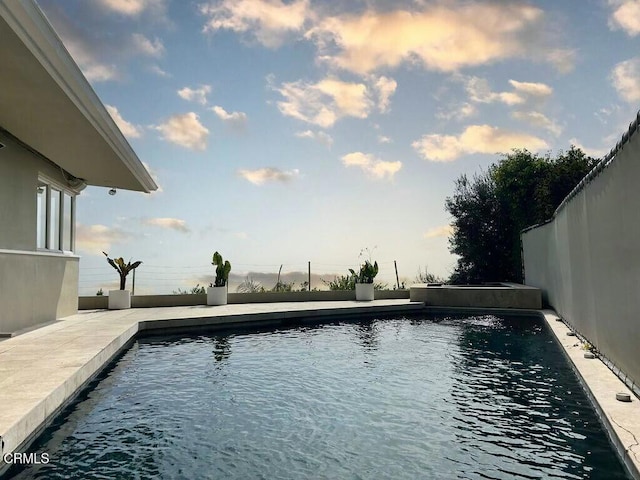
(438,397)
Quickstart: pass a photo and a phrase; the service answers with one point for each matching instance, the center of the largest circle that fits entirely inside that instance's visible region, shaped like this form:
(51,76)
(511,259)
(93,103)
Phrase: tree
(492,209)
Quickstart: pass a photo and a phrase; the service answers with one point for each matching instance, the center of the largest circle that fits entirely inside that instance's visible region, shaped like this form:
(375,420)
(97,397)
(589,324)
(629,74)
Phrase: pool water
(402,398)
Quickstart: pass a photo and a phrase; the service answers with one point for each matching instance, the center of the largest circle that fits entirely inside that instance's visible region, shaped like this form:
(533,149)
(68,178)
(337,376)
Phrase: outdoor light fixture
(112,192)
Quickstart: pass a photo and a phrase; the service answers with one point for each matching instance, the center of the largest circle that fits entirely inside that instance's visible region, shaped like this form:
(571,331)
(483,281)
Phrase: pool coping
(43,370)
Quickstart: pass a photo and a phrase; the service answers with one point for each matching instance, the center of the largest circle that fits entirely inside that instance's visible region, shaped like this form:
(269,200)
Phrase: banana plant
(123,268)
(223,268)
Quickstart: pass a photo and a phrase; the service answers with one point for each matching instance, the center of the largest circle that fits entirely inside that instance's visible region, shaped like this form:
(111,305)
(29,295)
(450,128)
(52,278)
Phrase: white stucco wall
(35,287)
(587,260)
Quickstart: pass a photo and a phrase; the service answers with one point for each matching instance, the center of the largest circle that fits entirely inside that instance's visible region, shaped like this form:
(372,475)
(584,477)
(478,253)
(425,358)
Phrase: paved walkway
(40,371)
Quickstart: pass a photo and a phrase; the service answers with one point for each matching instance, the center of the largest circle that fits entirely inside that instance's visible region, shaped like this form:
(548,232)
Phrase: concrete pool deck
(42,370)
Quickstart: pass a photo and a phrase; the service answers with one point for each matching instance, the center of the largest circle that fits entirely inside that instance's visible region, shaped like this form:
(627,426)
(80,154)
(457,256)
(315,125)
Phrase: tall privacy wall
(586,259)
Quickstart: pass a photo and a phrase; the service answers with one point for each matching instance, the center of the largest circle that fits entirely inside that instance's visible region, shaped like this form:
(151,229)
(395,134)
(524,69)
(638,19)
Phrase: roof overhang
(48,104)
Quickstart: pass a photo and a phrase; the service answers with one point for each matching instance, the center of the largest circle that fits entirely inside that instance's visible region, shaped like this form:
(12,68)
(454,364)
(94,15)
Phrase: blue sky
(282,132)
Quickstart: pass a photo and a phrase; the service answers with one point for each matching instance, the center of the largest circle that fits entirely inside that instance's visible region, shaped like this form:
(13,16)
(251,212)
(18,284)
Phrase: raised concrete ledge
(43,370)
(183,300)
(620,419)
(493,295)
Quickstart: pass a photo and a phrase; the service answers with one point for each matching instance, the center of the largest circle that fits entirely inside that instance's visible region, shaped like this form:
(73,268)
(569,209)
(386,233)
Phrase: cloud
(167,223)
(198,95)
(319,136)
(185,130)
(324,102)
(625,78)
(563,59)
(261,176)
(94,239)
(442,36)
(626,15)
(158,71)
(384,139)
(479,91)
(151,48)
(442,231)
(234,119)
(474,139)
(98,72)
(592,152)
(458,112)
(374,167)
(539,120)
(269,21)
(385,88)
(131,8)
(128,129)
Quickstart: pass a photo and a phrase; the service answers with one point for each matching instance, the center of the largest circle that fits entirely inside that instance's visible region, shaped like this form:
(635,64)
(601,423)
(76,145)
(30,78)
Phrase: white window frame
(50,183)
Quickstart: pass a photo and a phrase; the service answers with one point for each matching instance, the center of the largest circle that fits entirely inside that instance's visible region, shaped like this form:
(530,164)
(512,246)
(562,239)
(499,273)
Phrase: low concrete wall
(145,301)
(505,295)
(36,288)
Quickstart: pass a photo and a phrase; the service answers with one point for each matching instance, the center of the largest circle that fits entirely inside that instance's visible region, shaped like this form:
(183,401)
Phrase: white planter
(119,299)
(217,295)
(364,292)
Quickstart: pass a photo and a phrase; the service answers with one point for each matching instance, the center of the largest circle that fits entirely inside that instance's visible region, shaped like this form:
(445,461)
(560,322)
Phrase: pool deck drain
(42,370)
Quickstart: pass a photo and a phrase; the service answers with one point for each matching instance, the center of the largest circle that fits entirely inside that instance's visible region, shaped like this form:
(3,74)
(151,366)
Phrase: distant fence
(152,278)
(587,258)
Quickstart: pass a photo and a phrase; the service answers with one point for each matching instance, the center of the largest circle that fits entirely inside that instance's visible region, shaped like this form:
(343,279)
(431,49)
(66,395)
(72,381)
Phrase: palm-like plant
(122,268)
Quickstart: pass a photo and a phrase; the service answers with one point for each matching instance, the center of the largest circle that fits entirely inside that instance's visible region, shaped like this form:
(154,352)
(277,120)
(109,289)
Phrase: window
(55,211)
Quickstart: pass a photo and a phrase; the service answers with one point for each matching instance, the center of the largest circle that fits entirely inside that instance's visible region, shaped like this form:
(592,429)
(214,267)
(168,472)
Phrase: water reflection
(221,348)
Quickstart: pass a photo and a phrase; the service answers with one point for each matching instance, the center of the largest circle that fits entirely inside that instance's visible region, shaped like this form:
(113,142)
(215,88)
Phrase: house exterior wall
(587,260)
(35,286)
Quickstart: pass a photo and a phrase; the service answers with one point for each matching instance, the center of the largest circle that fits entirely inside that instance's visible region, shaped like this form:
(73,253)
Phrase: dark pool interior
(479,397)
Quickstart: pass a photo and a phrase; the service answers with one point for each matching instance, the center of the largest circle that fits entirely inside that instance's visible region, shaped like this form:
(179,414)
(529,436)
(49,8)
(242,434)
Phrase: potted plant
(364,280)
(120,299)
(217,291)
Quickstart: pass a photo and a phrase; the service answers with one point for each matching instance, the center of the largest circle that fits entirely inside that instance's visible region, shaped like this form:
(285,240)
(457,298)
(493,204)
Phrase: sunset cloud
(128,129)
(374,167)
(625,16)
(443,37)
(458,111)
(198,95)
(592,152)
(538,119)
(319,136)
(324,102)
(474,139)
(385,88)
(625,78)
(167,223)
(185,130)
(131,7)
(145,46)
(234,119)
(479,91)
(261,176)
(269,21)
(95,239)
(439,232)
